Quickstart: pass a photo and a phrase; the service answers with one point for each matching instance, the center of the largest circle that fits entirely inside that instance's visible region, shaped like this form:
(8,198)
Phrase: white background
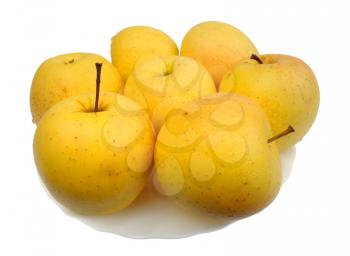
(311,214)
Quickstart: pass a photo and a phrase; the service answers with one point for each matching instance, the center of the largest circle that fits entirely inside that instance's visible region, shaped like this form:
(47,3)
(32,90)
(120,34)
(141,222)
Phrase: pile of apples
(208,123)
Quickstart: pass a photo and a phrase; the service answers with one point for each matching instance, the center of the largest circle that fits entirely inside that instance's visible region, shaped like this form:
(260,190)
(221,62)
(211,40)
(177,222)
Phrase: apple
(67,75)
(284,86)
(218,155)
(218,46)
(94,153)
(132,43)
(162,84)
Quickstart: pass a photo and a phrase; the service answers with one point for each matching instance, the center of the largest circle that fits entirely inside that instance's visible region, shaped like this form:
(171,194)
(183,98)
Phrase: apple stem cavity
(287,131)
(98,82)
(256,57)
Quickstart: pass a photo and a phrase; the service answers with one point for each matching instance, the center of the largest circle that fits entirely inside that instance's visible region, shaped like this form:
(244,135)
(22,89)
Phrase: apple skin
(218,46)
(284,86)
(67,75)
(132,43)
(163,84)
(94,162)
(213,155)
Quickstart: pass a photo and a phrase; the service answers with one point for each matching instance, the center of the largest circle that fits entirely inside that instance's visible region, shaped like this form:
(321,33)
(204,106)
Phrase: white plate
(155,216)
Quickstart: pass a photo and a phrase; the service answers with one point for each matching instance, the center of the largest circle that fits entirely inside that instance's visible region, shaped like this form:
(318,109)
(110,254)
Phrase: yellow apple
(132,43)
(213,154)
(218,46)
(284,86)
(68,75)
(94,162)
(162,84)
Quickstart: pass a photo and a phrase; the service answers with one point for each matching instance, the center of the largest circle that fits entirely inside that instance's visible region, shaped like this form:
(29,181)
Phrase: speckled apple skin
(162,84)
(213,155)
(94,162)
(286,89)
(68,75)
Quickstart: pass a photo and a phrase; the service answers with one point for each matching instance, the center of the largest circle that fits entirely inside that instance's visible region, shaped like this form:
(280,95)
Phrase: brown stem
(289,130)
(98,81)
(256,57)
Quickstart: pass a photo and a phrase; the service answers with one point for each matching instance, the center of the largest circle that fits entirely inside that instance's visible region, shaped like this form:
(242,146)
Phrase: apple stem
(98,81)
(289,130)
(256,57)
